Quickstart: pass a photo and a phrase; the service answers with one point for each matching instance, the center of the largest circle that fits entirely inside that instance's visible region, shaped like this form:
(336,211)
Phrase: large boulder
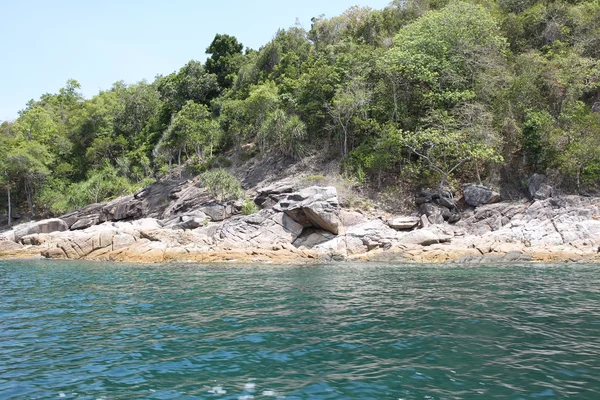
(477,195)
(315,206)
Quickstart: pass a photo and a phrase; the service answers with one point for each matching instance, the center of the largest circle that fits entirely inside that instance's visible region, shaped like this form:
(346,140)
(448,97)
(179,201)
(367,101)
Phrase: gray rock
(269,196)
(544,192)
(85,222)
(217,211)
(29,228)
(313,207)
(446,202)
(425,237)
(436,214)
(313,237)
(476,195)
(534,184)
(403,222)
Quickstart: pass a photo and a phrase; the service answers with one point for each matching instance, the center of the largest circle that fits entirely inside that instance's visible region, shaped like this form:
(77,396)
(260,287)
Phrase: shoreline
(308,226)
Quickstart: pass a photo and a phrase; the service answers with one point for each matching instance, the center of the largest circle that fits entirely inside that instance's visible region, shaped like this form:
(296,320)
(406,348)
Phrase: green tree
(225,59)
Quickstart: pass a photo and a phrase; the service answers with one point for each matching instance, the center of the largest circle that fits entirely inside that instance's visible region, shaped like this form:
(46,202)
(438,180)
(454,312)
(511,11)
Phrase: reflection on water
(91,330)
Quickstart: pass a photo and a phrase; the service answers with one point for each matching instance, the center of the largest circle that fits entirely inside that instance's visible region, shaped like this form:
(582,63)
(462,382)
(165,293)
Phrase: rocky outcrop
(313,207)
(309,225)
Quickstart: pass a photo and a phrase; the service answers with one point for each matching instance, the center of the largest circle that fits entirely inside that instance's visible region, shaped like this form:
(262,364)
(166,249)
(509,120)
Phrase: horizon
(50,44)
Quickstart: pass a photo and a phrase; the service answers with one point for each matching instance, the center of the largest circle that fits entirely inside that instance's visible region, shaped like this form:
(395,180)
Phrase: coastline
(307,226)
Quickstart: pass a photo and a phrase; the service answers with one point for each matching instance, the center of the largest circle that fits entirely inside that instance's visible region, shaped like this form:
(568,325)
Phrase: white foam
(250,386)
(217,390)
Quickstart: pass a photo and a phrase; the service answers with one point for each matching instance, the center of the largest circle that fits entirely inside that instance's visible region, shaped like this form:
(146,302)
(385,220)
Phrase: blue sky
(44,43)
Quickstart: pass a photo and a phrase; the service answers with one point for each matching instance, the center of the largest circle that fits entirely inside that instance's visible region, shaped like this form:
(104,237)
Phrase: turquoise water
(114,331)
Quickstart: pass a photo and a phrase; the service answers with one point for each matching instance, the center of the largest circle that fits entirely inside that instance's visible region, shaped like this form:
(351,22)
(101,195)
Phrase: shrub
(249,207)
(222,185)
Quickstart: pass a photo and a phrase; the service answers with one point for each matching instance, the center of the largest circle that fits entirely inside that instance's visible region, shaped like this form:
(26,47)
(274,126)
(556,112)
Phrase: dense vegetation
(423,92)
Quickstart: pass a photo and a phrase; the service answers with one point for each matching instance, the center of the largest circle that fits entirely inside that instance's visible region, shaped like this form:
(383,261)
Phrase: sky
(100,42)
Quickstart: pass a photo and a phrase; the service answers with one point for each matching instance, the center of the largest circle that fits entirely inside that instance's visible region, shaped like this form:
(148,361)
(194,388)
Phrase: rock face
(476,195)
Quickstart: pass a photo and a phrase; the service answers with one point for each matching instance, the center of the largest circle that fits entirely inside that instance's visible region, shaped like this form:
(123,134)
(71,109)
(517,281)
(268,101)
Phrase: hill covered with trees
(422,93)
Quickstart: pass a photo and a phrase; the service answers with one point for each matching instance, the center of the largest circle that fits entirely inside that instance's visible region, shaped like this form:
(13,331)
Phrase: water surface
(77,330)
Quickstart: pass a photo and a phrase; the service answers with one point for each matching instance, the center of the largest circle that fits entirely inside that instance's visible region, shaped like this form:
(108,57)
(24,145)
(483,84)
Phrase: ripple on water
(105,331)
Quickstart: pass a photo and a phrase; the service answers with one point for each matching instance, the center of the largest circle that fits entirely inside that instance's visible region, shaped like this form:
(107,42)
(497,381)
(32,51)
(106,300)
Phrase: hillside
(420,94)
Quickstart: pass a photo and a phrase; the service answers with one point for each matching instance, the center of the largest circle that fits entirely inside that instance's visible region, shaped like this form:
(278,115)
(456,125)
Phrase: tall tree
(225,59)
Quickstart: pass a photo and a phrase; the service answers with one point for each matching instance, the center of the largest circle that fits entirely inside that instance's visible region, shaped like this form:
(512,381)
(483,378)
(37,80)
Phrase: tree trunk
(179,162)
(29,196)
(345,143)
(9,208)
(170,158)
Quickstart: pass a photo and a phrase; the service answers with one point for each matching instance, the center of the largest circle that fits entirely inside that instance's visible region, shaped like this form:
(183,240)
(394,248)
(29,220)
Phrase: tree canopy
(422,92)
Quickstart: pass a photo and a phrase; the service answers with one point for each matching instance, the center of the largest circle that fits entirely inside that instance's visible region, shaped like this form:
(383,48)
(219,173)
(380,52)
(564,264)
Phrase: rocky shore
(173,221)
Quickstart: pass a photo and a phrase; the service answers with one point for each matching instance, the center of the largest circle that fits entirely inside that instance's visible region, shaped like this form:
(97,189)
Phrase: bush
(196,168)
(222,185)
(102,185)
(249,207)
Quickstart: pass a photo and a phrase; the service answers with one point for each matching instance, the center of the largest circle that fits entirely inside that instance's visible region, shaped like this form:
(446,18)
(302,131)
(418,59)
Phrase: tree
(350,100)
(441,54)
(444,146)
(225,60)
(28,164)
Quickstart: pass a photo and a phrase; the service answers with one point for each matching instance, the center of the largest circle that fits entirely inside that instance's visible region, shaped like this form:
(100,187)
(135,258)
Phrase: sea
(96,330)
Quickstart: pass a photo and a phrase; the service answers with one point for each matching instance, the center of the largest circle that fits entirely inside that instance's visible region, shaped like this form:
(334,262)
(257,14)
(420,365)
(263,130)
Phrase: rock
(264,227)
(8,245)
(314,206)
(351,218)
(404,222)
(421,237)
(425,237)
(127,207)
(476,195)
(537,189)
(85,222)
(544,192)
(26,229)
(449,203)
(313,237)
(190,223)
(52,225)
(424,223)
(217,211)
(269,196)
(121,241)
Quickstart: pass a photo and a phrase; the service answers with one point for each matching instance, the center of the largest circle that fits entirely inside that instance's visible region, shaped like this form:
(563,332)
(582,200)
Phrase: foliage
(249,208)
(222,184)
(420,91)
